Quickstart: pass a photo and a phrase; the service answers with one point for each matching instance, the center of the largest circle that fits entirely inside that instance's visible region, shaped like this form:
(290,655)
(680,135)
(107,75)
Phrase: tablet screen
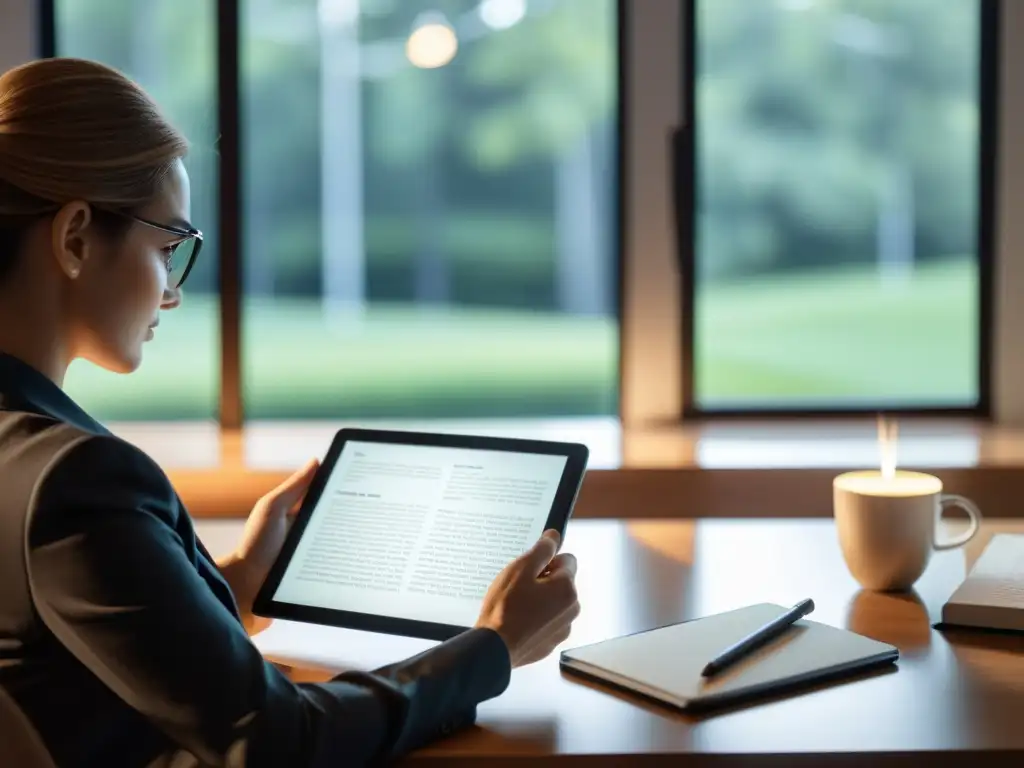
(419,532)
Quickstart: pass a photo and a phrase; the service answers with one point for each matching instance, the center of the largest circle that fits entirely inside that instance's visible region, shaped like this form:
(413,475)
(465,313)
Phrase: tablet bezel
(562,505)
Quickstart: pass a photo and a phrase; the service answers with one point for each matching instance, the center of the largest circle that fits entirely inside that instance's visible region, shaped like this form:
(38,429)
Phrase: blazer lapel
(23,388)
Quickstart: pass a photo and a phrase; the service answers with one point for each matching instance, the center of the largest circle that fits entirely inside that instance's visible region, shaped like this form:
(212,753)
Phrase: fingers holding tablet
(557,631)
(539,556)
(559,562)
(533,601)
(564,563)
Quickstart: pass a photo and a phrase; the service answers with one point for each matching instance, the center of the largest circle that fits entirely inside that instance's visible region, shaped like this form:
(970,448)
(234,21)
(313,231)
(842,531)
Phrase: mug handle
(952,500)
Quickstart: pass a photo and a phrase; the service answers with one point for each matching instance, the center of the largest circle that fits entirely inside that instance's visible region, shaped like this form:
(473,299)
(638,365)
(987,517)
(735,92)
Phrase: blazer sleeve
(113,580)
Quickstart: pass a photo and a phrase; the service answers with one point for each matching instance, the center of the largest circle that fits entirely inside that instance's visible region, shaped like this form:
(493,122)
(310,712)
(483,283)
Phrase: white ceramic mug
(887,525)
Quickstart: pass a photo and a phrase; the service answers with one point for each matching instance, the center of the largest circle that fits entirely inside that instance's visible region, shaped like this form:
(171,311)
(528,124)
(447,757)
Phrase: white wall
(18,36)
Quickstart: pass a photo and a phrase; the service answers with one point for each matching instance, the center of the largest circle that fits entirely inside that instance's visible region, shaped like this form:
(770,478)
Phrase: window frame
(230,272)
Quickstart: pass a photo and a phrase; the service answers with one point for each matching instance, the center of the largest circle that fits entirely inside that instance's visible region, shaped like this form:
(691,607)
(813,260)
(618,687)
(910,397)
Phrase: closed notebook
(992,595)
(666,663)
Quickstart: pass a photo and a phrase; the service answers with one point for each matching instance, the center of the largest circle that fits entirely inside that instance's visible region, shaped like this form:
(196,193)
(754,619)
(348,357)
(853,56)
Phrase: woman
(121,641)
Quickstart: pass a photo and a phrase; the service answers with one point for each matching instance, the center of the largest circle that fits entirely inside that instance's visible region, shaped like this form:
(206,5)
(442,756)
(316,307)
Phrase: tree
(804,107)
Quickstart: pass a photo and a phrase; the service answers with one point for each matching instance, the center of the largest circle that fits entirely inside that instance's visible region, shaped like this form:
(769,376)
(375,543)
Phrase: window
(179,377)
(429,208)
(838,254)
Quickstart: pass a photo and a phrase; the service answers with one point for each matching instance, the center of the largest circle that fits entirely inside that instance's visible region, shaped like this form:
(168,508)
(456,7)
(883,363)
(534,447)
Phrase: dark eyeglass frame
(190,233)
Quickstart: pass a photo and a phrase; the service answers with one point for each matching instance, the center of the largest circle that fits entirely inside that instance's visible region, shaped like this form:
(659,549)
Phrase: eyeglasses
(184,255)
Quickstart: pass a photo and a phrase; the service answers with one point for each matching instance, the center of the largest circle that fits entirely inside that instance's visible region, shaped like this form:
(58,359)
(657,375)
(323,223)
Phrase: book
(992,595)
(665,664)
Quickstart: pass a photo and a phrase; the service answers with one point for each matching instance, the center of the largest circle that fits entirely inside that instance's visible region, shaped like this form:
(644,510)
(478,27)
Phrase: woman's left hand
(265,529)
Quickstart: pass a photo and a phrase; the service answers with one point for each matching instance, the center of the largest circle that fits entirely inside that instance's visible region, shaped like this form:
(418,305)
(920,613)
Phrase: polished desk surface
(959,693)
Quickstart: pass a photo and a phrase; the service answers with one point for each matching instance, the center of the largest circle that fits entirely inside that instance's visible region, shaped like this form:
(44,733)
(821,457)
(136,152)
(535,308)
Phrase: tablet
(403,532)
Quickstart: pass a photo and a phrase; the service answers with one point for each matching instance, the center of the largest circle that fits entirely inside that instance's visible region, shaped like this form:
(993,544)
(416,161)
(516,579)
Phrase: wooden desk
(956,698)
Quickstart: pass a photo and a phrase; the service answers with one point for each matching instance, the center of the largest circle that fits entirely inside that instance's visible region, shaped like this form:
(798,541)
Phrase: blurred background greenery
(441,241)
(837,187)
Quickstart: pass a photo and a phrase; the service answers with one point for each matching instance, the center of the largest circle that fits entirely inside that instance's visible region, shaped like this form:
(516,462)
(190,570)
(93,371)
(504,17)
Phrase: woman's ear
(70,238)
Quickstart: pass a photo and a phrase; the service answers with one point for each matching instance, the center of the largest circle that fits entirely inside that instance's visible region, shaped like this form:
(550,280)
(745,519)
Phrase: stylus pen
(773,628)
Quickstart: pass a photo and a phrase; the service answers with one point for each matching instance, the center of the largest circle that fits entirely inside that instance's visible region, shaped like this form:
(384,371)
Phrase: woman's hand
(247,567)
(532,603)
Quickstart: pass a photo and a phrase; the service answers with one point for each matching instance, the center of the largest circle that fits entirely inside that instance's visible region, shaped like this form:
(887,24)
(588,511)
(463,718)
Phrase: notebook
(665,664)
(992,595)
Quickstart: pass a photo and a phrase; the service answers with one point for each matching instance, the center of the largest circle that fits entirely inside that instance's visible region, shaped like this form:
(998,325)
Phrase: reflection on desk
(960,693)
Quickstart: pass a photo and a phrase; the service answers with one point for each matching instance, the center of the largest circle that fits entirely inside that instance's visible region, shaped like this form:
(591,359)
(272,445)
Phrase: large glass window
(168,47)
(429,208)
(837,187)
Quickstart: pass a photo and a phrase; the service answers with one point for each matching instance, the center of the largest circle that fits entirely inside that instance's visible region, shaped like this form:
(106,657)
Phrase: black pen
(774,627)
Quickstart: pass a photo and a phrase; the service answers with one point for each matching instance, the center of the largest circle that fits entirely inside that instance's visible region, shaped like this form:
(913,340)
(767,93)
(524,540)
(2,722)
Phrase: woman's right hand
(532,602)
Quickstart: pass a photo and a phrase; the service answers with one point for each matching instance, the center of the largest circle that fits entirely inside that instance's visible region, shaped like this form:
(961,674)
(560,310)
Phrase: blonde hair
(72,129)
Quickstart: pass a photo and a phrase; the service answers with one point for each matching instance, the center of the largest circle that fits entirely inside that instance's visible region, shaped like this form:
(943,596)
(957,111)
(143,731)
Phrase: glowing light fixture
(502,14)
(433,42)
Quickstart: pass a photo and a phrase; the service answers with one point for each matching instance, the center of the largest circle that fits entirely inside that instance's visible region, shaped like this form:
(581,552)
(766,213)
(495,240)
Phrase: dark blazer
(121,645)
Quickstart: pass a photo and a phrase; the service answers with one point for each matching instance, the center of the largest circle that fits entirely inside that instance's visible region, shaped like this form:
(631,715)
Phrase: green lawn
(807,337)
(396,362)
(840,336)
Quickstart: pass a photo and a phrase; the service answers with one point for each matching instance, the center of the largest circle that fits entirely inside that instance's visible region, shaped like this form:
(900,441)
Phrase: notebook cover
(665,663)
